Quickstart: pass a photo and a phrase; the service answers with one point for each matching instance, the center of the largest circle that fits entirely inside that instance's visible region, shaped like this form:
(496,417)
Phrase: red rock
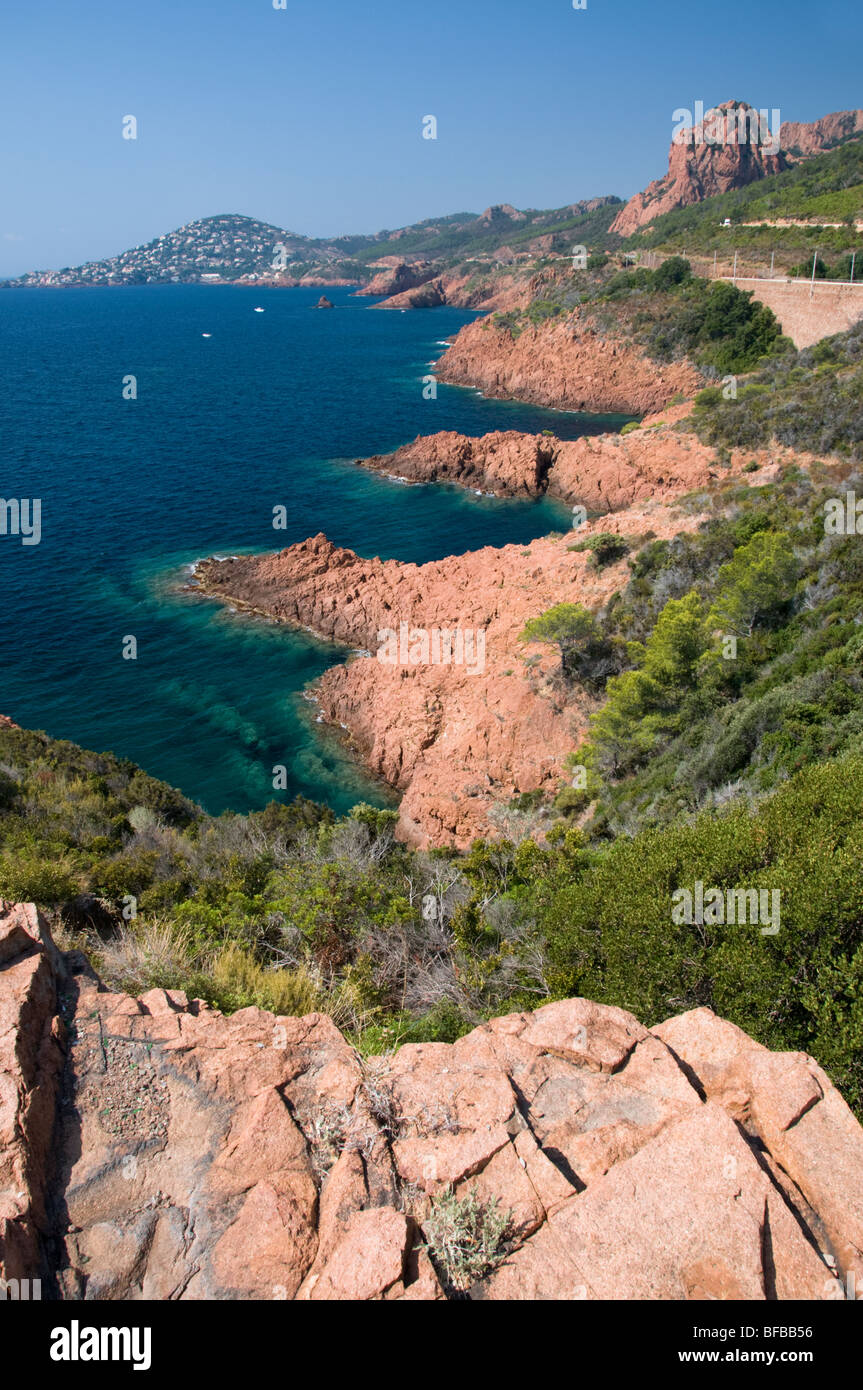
(370,1258)
(564,364)
(399,277)
(789,1102)
(702,170)
(186,1155)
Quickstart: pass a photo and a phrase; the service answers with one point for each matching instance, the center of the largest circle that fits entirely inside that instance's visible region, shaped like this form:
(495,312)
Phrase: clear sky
(310,117)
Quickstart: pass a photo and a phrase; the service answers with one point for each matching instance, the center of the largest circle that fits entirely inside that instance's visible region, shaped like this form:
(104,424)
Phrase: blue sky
(310,117)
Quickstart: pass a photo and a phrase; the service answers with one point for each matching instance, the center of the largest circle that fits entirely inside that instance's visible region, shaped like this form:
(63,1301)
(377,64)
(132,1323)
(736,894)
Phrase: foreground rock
(195,1156)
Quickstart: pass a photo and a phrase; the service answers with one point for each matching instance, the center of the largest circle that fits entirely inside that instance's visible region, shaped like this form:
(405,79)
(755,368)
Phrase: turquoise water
(270,410)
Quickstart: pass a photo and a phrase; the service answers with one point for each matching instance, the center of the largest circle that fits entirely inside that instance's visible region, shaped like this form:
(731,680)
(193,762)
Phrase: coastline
(459,748)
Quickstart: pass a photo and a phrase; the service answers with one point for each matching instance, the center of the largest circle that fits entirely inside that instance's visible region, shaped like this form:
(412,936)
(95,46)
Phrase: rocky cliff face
(801,138)
(152,1148)
(566,365)
(429,295)
(707,162)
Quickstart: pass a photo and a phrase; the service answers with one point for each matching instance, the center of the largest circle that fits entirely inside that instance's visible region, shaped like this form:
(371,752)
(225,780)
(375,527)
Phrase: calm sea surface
(270,410)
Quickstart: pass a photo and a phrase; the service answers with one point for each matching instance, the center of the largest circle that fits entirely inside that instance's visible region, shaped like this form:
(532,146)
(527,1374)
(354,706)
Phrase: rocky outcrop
(566,365)
(604,474)
(460,739)
(799,139)
(429,295)
(31,1058)
(396,278)
(195,1156)
(324,303)
(718,154)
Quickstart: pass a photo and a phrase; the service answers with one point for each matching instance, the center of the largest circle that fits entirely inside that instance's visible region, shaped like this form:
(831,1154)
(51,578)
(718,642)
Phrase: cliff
(398,277)
(154,1148)
(799,139)
(699,168)
(565,365)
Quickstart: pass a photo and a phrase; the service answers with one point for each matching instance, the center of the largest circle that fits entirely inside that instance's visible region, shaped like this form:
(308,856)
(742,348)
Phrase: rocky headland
(565,365)
(603,473)
(460,741)
(154,1148)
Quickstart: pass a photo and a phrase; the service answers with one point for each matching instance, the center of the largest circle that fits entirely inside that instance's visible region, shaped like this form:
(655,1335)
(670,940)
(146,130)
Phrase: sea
(159,424)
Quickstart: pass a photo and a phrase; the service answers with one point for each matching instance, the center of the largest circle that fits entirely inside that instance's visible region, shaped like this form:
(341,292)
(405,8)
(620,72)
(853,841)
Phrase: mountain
(230,248)
(710,158)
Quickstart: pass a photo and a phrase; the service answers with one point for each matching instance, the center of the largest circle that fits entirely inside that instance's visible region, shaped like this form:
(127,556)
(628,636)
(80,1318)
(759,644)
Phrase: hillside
(226,248)
(238,249)
(826,188)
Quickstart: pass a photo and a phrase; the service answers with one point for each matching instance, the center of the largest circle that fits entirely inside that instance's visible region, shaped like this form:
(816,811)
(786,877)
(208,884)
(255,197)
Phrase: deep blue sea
(270,410)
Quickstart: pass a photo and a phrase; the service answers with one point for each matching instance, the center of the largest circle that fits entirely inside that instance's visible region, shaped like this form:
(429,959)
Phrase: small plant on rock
(465,1238)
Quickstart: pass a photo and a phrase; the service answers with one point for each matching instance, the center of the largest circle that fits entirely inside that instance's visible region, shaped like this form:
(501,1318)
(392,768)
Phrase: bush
(465,1238)
(611,938)
(29,878)
(239,981)
(607,548)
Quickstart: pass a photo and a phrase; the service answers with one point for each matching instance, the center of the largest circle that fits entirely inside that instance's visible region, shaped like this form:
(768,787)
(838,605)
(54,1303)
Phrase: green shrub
(465,1237)
(610,936)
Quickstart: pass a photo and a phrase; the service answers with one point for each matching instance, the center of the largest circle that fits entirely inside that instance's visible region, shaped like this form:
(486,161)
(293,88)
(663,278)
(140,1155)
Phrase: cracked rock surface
(153,1148)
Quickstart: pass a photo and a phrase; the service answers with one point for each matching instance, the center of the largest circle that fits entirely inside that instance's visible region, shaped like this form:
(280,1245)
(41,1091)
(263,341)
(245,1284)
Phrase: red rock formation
(203,1157)
(429,295)
(458,741)
(698,169)
(566,365)
(800,139)
(400,277)
(604,473)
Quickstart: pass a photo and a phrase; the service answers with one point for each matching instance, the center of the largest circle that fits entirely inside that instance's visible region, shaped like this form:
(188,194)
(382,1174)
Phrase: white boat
(206,335)
(258,311)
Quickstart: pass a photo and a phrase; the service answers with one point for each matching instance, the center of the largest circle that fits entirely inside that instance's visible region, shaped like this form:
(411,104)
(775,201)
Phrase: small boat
(206,335)
(258,310)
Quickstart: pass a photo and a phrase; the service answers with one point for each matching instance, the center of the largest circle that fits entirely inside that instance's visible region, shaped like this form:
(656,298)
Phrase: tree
(757,584)
(585,652)
(645,703)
